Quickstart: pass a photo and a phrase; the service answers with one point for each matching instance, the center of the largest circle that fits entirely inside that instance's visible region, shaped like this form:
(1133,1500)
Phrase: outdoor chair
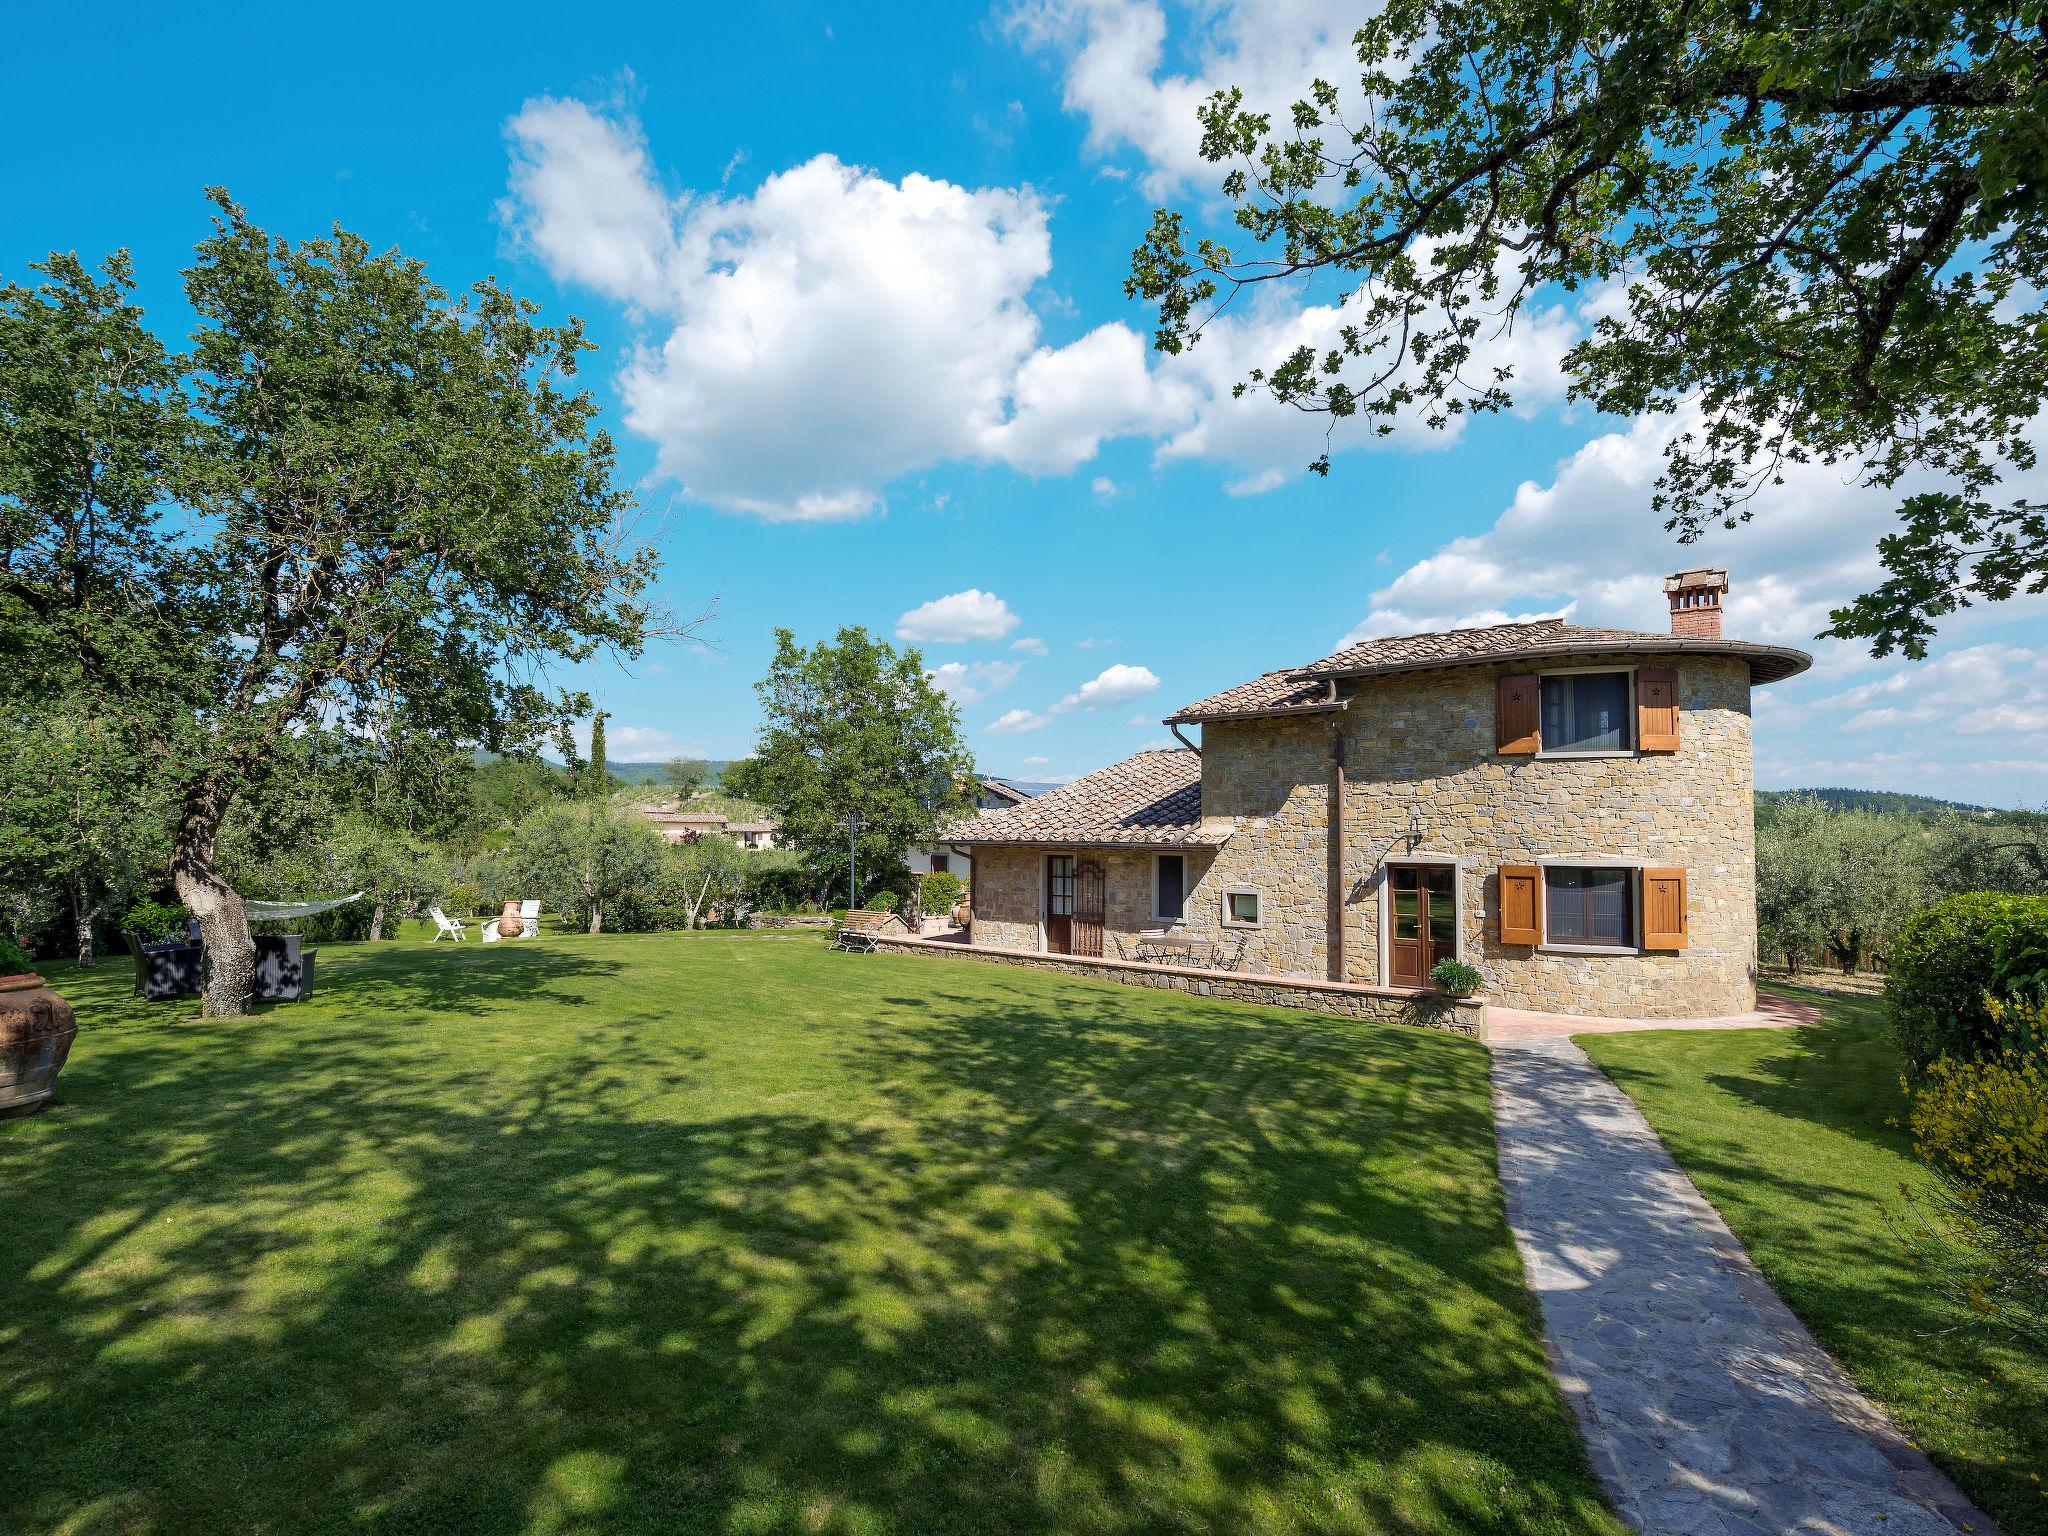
(1165,946)
(529,915)
(284,973)
(166,970)
(445,927)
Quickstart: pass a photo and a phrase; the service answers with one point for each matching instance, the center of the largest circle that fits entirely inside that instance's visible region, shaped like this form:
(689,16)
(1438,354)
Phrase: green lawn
(1786,1132)
(736,1234)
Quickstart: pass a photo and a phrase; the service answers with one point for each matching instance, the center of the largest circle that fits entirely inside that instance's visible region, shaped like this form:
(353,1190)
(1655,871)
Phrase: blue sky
(856,276)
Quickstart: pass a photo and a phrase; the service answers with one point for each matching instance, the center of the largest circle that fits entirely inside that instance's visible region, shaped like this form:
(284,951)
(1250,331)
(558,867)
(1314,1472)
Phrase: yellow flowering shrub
(1982,1128)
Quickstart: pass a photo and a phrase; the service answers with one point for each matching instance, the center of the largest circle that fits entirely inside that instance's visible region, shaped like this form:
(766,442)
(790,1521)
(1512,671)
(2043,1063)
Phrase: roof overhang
(1767,663)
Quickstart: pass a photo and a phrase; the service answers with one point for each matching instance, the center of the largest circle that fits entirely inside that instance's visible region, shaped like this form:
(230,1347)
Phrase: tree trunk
(377,922)
(596,916)
(228,977)
(82,915)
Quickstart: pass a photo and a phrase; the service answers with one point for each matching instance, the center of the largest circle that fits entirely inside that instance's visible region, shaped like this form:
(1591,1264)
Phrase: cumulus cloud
(1118,684)
(636,743)
(969,682)
(1114,55)
(957,618)
(1030,645)
(1036,762)
(814,339)
(1016,722)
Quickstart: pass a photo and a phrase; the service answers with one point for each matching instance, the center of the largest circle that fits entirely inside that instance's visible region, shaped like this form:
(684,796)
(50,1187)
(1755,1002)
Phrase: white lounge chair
(445,927)
(529,916)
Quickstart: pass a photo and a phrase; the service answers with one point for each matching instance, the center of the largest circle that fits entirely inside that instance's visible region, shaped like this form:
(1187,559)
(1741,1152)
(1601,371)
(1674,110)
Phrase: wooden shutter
(1521,904)
(1517,715)
(1664,909)
(1656,710)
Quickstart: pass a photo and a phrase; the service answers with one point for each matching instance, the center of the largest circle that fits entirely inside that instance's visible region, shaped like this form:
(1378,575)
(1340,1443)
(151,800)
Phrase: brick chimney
(1696,602)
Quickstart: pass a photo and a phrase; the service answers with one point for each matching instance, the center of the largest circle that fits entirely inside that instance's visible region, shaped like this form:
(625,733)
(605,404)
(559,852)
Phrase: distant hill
(1875,800)
(652,773)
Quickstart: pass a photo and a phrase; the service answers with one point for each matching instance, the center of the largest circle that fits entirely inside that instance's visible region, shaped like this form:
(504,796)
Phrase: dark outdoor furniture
(166,970)
(284,972)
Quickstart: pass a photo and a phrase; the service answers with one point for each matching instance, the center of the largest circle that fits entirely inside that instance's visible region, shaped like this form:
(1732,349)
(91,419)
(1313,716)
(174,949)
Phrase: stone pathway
(1708,1410)
(1773,1011)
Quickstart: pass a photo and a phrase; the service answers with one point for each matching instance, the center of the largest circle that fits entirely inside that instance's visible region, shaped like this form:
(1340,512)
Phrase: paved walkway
(1708,1409)
(1772,1012)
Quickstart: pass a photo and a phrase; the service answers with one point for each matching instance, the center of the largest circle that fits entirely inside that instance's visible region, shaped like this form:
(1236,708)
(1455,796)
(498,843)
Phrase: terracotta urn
(510,924)
(36,1031)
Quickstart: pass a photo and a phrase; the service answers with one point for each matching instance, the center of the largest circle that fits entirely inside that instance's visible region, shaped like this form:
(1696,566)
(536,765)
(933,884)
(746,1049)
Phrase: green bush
(14,960)
(880,901)
(151,920)
(1949,960)
(940,892)
(1455,977)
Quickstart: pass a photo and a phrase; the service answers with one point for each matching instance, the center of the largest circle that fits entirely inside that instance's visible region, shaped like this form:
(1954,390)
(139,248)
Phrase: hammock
(272,911)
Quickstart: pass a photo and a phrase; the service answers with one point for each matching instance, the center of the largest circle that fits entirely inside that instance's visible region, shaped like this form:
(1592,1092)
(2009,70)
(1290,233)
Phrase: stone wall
(1009,895)
(1461,1016)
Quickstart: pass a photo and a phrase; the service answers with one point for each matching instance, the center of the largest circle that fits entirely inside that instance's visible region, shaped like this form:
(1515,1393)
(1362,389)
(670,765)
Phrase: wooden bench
(858,933)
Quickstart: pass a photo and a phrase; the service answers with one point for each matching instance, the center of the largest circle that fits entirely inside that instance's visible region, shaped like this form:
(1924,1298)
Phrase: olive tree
(583,855)
(388,504)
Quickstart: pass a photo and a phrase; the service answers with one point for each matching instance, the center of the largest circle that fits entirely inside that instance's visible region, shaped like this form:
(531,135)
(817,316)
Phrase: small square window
(1241,909)
(1594,907)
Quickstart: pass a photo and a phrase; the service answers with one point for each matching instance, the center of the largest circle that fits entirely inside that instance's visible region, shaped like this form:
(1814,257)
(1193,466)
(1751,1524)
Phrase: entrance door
(1088,908)
(1422,903)
(1059,903)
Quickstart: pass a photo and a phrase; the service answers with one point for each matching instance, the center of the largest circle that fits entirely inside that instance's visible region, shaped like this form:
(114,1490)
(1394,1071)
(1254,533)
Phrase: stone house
(687,826)
(990,794)
(1566,808)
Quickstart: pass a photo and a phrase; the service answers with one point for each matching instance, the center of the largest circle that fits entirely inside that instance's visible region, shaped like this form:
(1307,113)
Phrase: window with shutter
(1664,909)
(1521,904)
(1657,710)
(1517,715)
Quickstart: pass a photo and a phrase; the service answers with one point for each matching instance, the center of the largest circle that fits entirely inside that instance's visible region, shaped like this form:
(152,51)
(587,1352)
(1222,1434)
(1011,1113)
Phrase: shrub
(1982,1128)
(1948,960)
(1455,977)
(151,920)
(940,891)
(14,960)
(881,901)
(465,899)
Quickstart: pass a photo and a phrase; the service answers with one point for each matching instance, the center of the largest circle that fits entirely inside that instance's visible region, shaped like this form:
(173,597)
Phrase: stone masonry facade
(1421,744)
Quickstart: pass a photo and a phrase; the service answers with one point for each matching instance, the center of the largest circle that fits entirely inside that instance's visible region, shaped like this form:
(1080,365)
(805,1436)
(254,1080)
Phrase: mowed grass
(737,1234)
(1788,1132)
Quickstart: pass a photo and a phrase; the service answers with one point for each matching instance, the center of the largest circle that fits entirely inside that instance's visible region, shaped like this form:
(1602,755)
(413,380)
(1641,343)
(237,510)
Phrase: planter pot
(510,923)
(36,1031)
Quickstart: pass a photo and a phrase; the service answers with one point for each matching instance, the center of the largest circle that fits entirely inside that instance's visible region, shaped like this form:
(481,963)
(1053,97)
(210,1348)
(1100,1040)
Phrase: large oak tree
(1822,221)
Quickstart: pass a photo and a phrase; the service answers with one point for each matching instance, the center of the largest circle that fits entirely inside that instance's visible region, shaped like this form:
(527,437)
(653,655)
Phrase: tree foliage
(391,509)
(582,856)
(853,728)
(1818,225)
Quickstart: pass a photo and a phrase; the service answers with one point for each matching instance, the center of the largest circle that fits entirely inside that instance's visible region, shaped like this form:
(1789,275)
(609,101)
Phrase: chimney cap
(1709,577)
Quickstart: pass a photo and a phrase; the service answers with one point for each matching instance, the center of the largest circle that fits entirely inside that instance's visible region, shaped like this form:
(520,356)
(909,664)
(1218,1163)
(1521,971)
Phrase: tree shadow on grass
(1043,1265)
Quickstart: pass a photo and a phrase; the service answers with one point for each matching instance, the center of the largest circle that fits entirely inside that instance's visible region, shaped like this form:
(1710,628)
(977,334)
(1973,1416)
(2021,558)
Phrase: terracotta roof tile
(1152,800)
(1284,692)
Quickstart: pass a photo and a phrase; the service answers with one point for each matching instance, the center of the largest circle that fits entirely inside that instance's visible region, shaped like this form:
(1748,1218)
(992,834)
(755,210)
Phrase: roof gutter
(1174,727)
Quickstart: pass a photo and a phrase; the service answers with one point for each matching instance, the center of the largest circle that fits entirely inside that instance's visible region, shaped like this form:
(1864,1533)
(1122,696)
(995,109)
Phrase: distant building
(688,826)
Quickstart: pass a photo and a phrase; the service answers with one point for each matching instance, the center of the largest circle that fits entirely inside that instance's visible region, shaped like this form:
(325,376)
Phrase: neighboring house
(990,793)
(1569,809)
(688,826)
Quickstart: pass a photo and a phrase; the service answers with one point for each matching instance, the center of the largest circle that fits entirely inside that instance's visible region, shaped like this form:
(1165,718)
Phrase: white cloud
(1117,77)
(969,682)
(636,743)
(1118,684)
(1092,643)
(1156,744)
(1141,718)
(1030,645)
(829,331)
(1036,762)
(1017,721)
(1105,489)
(957,618)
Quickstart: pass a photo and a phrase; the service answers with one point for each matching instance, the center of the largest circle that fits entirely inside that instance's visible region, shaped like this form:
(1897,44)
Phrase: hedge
(1948,959)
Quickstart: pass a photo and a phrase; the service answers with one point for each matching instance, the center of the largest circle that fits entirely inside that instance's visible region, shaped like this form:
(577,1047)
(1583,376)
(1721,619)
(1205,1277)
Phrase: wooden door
(1059,903)
(1423,921)
(1088,908)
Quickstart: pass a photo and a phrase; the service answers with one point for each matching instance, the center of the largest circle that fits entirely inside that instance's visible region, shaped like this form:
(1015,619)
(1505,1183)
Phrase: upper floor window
(1586,712)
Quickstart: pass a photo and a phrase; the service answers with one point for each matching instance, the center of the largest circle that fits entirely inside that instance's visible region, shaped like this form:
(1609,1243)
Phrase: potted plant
(1455,978)
(36,1031)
